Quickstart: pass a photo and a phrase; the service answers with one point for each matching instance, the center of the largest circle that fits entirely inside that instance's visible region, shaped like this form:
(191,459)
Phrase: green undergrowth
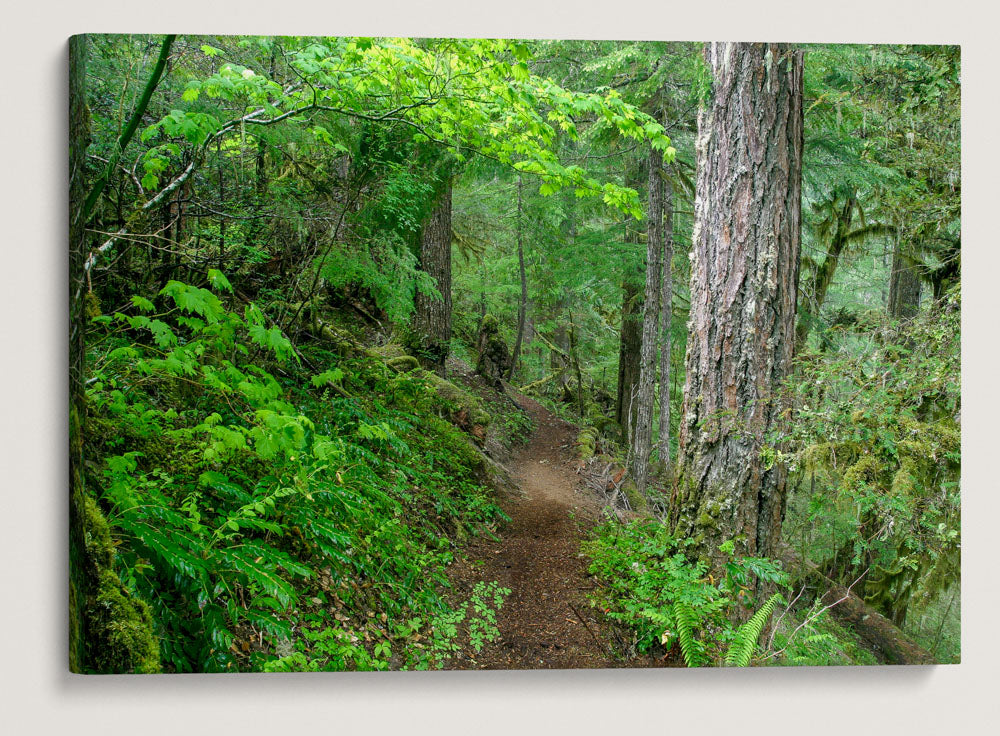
(509,425)
(874,454)
(649,587)
(276,508)
(811,636)
(666,604)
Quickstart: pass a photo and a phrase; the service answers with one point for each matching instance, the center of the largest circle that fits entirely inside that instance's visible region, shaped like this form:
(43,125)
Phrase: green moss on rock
(459,399)
(587,442)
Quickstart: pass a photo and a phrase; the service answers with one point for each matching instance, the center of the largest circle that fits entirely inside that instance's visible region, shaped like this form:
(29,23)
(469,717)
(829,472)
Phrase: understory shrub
(265,501)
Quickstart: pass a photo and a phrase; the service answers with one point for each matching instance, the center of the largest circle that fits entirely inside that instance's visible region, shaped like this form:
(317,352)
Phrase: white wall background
(38,694)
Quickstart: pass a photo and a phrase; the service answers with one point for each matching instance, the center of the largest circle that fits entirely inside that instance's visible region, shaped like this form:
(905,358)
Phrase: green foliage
(229,490)
(876,440)
(650,587)
(424,645)
(238,459)
(745,639)
(814,638)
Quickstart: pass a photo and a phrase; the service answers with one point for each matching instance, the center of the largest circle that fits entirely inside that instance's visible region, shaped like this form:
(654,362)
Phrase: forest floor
(547,622)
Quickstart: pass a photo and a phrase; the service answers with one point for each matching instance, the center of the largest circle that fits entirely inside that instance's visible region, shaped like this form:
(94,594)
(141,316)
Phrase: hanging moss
(91,305)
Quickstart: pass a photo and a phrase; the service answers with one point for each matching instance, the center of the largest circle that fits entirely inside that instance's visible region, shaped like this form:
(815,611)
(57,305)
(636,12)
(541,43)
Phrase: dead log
(886,642)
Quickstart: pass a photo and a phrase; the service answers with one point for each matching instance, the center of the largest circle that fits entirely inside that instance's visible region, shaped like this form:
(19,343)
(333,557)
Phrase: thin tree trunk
(130,127)
(744,275)
(630,336)
(642,434)
(575,354)
(666,315)
(904,286)
(523,304)
(629,344)
(937,637)
(433,315)
(222,207)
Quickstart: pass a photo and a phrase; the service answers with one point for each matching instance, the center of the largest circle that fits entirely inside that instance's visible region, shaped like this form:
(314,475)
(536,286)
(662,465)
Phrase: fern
(686,621)
(745,641)
(239,500)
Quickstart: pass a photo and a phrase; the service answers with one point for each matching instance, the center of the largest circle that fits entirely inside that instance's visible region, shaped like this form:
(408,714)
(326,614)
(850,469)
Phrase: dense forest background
(286,252)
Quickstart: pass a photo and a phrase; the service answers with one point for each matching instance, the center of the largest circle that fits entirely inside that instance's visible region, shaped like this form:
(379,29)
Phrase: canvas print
(417,353)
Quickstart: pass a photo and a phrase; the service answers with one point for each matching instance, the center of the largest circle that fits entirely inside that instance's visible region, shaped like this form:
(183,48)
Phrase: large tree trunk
(904,287)
(433,316)
(666,314)
(744,275)
(643,430)
(79,136)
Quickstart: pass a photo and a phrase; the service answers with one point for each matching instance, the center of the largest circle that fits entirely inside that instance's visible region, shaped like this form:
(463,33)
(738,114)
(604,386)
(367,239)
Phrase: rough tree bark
(744,275)
(666,314)
(643,429)
(432,321)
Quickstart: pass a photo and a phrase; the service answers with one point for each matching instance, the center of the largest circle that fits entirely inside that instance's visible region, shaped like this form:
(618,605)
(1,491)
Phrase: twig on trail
(583,621)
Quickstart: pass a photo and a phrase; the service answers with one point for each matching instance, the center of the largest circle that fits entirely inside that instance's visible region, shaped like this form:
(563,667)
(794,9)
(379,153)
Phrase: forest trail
(547,621)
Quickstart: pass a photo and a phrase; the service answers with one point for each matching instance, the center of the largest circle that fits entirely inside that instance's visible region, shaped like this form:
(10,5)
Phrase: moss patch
(463,403)
(635,497)
(587,442)
(119,626)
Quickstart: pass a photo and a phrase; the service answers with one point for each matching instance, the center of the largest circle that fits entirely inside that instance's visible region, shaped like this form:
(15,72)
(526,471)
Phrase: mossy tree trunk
(432,321)
(110,631)
(904,287)
(744,276)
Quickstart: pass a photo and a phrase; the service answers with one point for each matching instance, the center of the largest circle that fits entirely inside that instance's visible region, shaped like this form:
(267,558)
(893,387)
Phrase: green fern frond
(686,620)
(742,648)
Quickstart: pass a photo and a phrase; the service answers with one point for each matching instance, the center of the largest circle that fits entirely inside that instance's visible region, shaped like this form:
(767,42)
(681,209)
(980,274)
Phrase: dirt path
(546,622)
